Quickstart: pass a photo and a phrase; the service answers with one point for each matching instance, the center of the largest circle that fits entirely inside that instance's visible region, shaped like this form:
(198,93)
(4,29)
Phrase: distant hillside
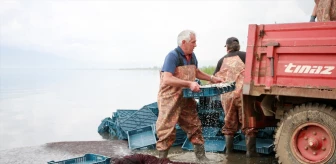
(148,68)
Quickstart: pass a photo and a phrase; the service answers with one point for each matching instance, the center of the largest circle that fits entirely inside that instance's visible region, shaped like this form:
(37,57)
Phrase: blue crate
(114,116)
(211,117)
(122,135)
(109,122)
(212,144)
(103,128)
(180,136)
(263,146)
(105,125)
(86,159)
(221,117)
(210,131)
(123,114)
(213,102)
(266,133)
(209,91)
(112,132)
(180,133)
(120,116)
(179,130)
(179,141)
(142,137)
(154,108)
(141,118)
(270,128)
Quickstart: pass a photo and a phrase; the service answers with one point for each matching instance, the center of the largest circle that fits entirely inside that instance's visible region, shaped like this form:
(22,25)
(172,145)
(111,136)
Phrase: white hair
(184,35)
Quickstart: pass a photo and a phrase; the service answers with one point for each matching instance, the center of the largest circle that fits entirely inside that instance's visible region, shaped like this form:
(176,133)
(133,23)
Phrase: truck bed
(297,59)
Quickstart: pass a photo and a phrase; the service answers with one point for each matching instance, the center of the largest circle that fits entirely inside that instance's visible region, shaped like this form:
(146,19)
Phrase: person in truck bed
(230,68)
(324,10)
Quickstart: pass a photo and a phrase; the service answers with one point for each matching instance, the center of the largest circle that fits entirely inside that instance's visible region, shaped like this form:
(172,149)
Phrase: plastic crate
(180,136)
(114,116)
(266,133)
(141,137)
(123,114)
(106,125)
(141,118)
(86,159)
(210,90)
(270,128)
(263,146)
(154,108)
(122,135)
(112,132)
(211,144)
(210,118)
(213,102)
(203,102)
(180,133)
(221,118)
(103,127)
(179,130)
(179,141)
(210,131)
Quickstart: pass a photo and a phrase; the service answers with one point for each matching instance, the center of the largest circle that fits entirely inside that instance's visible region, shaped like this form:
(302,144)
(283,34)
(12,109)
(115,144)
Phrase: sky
(129,34)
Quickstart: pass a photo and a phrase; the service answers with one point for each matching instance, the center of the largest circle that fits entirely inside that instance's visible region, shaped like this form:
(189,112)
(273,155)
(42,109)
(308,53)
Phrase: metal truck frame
(290,83)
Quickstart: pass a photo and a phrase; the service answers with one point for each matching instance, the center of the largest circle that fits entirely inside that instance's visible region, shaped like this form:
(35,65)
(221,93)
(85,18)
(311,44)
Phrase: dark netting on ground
(144,159)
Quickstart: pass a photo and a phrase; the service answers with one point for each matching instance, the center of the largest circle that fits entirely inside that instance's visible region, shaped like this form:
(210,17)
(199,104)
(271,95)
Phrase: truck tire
(306,134)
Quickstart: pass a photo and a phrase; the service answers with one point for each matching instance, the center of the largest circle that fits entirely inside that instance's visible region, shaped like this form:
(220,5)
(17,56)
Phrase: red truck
(290,83)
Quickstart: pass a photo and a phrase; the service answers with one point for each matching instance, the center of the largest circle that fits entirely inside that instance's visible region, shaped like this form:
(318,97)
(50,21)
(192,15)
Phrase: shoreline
(58,151)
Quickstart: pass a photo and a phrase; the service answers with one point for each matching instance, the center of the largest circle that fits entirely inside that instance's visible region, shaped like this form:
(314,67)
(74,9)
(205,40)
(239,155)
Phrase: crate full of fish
(210,90)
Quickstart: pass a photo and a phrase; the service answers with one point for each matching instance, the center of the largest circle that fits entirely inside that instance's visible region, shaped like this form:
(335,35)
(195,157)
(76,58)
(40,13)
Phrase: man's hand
(217,80)
(312,18)
(194,86)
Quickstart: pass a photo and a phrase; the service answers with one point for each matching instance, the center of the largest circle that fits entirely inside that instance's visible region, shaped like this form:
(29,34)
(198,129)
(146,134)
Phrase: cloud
(136,32)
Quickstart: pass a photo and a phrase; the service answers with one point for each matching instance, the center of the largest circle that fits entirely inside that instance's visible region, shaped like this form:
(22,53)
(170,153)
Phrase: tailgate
(297,55)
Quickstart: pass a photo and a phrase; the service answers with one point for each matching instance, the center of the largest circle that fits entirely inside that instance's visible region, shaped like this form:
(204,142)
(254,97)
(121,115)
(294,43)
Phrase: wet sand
(63,150)
(115,149)
(180,155)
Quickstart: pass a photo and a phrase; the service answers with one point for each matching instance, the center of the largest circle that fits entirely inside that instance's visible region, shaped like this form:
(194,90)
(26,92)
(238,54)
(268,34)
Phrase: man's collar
(181,51)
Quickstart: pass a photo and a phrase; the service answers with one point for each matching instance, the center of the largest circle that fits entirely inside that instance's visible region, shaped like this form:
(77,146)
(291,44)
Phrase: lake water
(40,106)
(43,106)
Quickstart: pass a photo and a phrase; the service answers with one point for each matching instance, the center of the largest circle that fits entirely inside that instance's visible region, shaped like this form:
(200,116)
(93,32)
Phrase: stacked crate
(132,125)
(138,126)
(264,143)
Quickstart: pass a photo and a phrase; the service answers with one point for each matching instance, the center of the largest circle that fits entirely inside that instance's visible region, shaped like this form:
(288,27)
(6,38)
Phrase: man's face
(189,46)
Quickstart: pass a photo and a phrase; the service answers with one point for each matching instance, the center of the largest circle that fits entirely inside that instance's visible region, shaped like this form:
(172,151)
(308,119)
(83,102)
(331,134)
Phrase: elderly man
(180,70)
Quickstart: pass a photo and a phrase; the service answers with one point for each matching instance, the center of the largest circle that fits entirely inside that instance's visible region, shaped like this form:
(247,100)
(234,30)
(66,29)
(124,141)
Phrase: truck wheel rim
(312,143)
